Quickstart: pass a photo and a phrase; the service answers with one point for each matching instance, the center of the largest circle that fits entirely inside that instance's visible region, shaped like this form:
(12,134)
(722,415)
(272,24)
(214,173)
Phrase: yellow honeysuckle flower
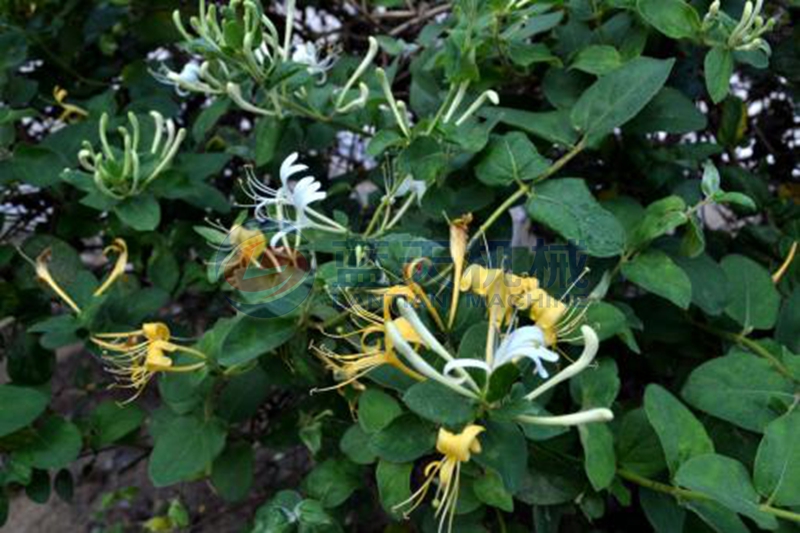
(411,291)
(459,231)
(119,247)
(456,448)
(69,110)
(134,362)
(505,292)
(43,272)
(349,368)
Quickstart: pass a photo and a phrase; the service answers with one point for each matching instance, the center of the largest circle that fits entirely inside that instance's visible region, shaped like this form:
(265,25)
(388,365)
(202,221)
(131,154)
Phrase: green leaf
(618,96)
(435,402)
(741,388)
(718,67)
(777,469)
(655,272)
(184,448)
(673,18)
(660,218)
(332,482)
(252,337)
(726,481)
(111,422)
(682,436)
(671,112)
(376,410)
(394,485)
(662,511)
(37,165)
(243,395)
(232,472)
(710,184)
(598,386)
(267,136)
(638,448)
(736,198)
(552,126)
(490,490)
(754,300)
(509,159)
(355,445)
(423,159)
(709,283)
(19,406)
(787,331)
(599,460)
(504,449)
(567,206)
(718,517)
(597,59)
(55,445)
(141,213)
(407,438)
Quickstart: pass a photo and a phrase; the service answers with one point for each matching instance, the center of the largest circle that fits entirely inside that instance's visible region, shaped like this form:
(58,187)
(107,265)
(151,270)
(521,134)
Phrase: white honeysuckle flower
(308,54)
(270,204)
(409,185)
(526,342)
(189,79)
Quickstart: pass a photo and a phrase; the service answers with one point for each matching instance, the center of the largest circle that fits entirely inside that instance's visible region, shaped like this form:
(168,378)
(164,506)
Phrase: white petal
(288,168)
(455,364)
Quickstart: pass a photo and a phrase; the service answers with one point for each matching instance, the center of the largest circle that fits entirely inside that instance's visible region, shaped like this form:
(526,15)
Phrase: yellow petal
(459,445)
(43,273)
(121,249)
(156,331)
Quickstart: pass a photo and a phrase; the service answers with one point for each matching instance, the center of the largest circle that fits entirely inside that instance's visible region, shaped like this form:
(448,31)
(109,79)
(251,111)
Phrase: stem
(751,345)
(687,494)
(505,206)
(677,492)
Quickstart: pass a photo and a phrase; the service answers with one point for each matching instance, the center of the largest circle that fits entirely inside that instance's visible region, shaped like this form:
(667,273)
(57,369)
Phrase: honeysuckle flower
(410,186)
(411,291)
(119,247)
(134,357)
(527,342)
(456,449)
(69,110)
(459,231)
(748,31)
(505,293)
(127,172)
(341,107)
(238,246)
(589,416)
(271,204)
(418,363)
(42,269)
(307,53)
(376,346)
(193,77)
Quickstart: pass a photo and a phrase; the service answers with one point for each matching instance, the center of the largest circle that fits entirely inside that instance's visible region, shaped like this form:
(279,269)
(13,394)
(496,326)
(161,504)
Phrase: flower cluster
(121,173)
(258,52)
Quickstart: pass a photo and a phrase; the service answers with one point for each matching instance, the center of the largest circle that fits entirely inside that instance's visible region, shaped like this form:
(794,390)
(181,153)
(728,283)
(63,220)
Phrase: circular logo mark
(266,281)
